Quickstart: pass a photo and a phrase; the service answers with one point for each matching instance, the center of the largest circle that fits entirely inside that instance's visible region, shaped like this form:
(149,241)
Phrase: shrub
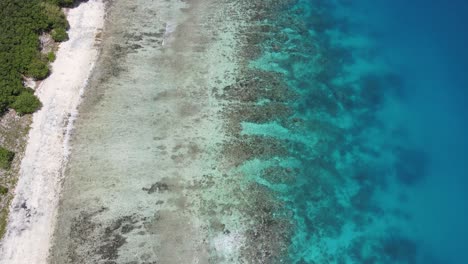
(21,23)
(54,16)
(51,56)
(3,107)
(38,69)
(9,90)
(3,190)
(65,2)
(59,34)
(61,2)
(26,103)
(6,157)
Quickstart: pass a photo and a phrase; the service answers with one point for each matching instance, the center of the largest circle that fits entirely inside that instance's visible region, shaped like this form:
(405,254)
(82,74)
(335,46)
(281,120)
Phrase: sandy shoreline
(33,209)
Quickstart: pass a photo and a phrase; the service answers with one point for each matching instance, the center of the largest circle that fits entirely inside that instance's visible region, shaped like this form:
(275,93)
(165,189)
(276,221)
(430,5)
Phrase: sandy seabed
(33,209)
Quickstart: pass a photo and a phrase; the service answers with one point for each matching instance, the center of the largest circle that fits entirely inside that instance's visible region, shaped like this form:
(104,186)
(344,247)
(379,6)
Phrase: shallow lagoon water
(334,135)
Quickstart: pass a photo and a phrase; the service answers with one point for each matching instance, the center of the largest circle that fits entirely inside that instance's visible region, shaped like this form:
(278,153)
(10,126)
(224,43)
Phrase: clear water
(382,159)
(334,133)
(425,45)
(142,176)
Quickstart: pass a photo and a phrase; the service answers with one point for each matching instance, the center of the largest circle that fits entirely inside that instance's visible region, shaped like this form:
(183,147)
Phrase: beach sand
(33,209)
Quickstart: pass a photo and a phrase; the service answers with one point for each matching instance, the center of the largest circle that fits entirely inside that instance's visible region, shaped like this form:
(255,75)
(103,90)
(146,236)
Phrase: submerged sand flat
(33,210)
(145,162)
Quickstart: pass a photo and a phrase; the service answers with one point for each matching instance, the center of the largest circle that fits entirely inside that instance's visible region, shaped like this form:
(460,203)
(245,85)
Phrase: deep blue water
(380,148)
(425,43)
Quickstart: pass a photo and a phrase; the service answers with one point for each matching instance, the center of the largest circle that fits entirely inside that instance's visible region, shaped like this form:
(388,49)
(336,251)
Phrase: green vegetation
(62,2)
(38,68)
(26,103)
(21,23)
(6,157)
(59,34)
(51,56)
(3,221)
(3,190)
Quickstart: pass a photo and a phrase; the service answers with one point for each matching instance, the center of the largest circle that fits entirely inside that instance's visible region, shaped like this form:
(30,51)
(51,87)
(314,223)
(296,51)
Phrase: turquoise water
(376,168)
(271,131)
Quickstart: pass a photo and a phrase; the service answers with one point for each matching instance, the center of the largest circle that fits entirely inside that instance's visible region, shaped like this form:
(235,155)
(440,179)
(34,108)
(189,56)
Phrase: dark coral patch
(411,166)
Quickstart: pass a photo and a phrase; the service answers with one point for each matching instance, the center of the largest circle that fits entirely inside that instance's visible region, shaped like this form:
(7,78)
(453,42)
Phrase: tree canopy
(21,23)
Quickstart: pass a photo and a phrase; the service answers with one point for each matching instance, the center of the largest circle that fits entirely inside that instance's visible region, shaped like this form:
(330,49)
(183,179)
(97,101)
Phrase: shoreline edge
(34,206)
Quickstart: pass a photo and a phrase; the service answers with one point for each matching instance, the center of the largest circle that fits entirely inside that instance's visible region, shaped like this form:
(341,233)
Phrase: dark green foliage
(61,2)
(21,23)
(38,68)
(26,103)
(55,17)
(6,157)
(51,56)
(59,34)
(3,190)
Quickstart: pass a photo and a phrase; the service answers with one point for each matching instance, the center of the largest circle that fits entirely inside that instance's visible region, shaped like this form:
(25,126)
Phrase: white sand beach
(33,209)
